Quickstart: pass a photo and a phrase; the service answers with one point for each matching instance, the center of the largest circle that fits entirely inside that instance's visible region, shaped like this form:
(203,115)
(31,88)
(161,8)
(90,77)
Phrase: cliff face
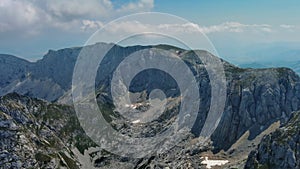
(280,149)
(256,98)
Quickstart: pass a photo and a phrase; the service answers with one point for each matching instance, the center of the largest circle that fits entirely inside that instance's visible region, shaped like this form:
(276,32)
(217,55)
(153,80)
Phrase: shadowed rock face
(12,68)
(48,78)
(280,149)
(255,97)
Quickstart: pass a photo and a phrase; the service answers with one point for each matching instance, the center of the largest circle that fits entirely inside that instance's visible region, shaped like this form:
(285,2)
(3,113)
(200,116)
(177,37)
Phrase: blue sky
(249,12)
(28,28)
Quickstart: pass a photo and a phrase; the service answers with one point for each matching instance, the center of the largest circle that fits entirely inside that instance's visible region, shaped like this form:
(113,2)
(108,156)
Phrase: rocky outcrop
(281,149)
(36,134)
(256,98)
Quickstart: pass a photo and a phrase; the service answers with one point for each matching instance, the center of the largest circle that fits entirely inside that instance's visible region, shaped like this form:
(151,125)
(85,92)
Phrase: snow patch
(136,121)
(210,163)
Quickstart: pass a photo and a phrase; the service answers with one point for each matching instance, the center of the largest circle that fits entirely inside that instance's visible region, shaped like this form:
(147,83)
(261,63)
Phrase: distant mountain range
(257,99)
(295,65)
(264,55)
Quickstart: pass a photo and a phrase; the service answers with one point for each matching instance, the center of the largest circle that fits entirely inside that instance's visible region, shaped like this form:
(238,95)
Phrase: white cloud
(234,27)
(91,25)
(287,26)
(27,16)
(15,15)
(129,27)
(34,16)
(140,6)
(74,9)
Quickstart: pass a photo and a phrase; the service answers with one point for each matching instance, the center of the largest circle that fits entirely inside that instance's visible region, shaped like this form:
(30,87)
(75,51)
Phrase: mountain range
(39,127)
(295,65)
